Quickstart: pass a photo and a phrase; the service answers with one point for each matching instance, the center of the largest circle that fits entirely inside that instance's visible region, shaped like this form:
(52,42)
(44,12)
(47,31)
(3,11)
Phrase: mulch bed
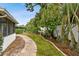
(65,48)
(15,47)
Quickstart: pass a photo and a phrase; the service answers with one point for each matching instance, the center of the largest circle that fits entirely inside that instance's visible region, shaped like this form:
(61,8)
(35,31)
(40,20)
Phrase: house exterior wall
(7,29)
(8,40)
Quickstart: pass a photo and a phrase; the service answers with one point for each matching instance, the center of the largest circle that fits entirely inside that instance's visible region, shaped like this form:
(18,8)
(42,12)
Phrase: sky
(19,12)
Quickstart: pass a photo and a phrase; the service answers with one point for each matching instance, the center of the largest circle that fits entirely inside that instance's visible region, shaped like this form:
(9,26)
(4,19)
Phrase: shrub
(19,31)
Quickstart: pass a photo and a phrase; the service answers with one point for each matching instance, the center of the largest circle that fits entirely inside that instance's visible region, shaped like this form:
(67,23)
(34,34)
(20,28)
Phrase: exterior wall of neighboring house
(74,30)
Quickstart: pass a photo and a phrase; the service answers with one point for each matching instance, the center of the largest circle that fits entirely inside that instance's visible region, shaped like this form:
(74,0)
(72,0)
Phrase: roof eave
(11,18)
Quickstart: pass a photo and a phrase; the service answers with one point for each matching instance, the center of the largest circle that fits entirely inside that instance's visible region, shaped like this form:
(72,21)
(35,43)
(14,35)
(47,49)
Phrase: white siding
(8,40)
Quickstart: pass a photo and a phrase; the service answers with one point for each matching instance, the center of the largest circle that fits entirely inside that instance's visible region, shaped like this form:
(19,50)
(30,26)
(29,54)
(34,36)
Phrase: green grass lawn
(44,48)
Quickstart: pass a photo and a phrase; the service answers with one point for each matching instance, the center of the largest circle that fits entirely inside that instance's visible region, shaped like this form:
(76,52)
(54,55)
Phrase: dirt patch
(65,48)
(15,47)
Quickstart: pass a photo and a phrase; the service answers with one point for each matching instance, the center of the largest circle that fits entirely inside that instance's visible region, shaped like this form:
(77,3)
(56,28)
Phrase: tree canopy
(53,15)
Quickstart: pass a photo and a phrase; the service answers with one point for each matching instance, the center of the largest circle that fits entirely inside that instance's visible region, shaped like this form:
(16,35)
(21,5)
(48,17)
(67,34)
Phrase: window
(10,28)
(0,28)
(4,29)
(13,29)
(7,28)
(1,35)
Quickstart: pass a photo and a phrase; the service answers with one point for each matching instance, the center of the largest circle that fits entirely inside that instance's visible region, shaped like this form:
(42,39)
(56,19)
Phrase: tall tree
(52,15)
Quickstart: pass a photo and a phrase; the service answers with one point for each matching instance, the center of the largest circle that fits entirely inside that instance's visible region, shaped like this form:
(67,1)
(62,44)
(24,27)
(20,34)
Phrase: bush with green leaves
(19,31)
